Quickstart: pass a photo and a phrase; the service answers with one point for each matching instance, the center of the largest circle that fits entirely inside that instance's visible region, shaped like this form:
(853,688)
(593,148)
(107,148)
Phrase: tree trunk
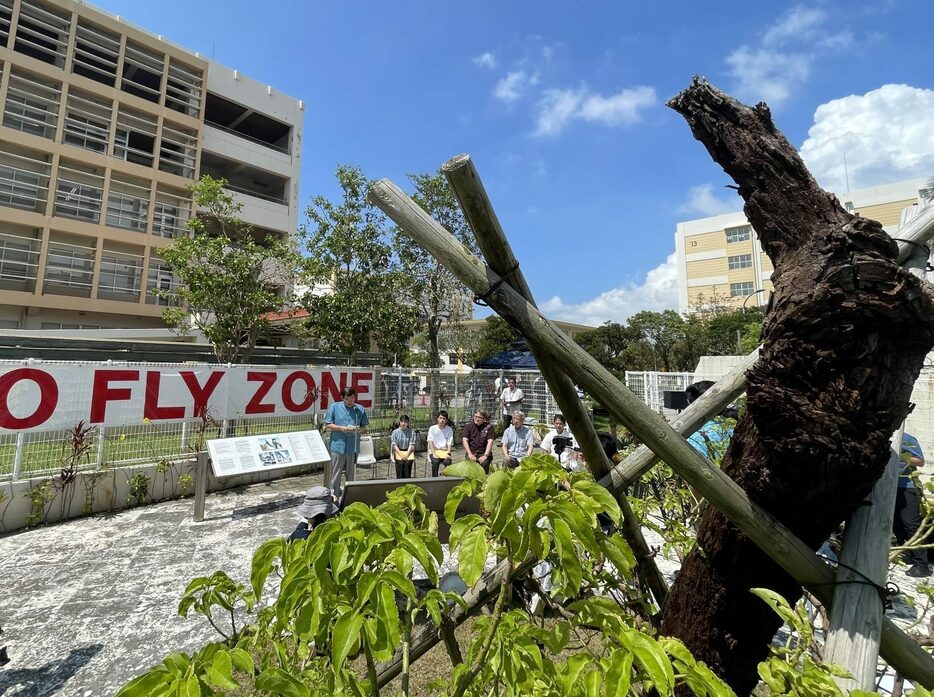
(434,365)
(844,339)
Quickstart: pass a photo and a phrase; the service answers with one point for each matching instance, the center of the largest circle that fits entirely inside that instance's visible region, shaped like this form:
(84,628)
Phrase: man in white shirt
(440,442)
(562,451)
(511,399)
(517,441)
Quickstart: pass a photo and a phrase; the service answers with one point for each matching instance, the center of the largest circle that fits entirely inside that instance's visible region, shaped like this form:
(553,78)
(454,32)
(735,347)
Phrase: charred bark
(844,339)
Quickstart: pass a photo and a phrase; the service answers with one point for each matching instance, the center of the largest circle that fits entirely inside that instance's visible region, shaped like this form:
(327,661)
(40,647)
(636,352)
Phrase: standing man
(517,441)
(478,440)
(344,420)
(511,399)
(908,509)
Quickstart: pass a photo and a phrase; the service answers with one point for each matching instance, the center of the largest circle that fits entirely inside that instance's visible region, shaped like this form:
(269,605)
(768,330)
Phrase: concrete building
(720,256)
(104,126)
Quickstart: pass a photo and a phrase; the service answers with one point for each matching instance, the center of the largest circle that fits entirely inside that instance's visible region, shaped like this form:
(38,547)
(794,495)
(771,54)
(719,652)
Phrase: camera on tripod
(559,443)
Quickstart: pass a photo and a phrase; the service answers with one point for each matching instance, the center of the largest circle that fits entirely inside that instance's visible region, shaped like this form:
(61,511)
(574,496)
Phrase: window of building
(160,277)
(135,140)
(32,104)
(87,121)
(69,269)
(738,290)
(96,53)
(24,178)
(128,203)
(9,324)
(78,192)
(19,256)
(738,234)
(120,276)
(42,32)
(6,18)
(177,150)
(171,212)
(66,325)
(740,261)
(183,88)
(142,72)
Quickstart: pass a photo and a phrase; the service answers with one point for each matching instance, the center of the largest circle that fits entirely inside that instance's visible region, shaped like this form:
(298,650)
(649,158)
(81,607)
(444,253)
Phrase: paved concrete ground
(90,603)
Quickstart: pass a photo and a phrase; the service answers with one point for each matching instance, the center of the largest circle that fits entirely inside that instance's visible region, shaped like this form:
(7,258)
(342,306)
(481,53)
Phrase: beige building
(104,127)
(720,257)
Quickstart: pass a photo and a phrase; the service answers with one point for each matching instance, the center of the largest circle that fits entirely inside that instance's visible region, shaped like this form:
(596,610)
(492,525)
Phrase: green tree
(615,345)
(495,335)
(229,279)
(663,332)
(350,254)
(438,297)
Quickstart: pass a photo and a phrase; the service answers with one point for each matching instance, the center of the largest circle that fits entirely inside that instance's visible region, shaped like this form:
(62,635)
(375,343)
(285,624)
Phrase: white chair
(366,455)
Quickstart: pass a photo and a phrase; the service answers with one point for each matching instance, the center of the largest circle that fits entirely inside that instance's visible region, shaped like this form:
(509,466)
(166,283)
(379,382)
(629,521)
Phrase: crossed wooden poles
(563,363)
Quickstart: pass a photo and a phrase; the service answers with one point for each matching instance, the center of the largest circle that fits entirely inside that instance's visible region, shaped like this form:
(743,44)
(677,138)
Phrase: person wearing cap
(344,420)
(317,506)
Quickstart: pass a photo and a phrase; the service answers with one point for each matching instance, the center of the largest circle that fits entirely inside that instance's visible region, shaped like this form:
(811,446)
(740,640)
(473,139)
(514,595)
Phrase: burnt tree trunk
(844,339)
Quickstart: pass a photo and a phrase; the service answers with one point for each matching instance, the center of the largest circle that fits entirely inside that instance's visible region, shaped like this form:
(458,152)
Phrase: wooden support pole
(795,557)
(478,210)
(856,621)
(708,405)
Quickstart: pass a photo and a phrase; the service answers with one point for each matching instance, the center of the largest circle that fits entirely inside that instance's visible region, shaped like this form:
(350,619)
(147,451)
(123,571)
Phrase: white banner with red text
(49,397)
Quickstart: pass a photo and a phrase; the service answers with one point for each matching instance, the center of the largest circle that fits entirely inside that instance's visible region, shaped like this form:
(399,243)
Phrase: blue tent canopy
(509,360)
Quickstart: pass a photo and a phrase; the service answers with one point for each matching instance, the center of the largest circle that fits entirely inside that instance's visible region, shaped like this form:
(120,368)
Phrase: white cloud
(701,200)
(783,63)
(659,291)
(799,23)
(761,74)
(558,108)
(485,60)
(512,86)
(886,135)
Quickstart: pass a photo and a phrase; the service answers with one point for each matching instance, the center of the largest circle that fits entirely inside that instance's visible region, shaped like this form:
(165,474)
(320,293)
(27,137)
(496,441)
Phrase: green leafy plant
(40,498)
(347,601)
(139,486)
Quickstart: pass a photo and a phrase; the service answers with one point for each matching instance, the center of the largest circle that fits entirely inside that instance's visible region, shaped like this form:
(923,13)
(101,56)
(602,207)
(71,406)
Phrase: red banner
(56,397)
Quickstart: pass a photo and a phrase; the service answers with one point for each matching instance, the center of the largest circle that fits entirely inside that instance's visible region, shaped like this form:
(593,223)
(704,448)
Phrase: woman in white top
(440,442)
(563,452)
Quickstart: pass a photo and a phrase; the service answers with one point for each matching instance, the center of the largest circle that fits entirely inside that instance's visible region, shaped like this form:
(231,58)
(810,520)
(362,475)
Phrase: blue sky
(562,107)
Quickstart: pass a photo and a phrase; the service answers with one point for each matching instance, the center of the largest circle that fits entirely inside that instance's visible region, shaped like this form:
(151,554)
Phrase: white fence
(650,386)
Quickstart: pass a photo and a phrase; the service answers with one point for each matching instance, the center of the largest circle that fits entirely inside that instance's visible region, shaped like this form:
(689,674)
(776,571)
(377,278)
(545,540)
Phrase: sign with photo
(246,454)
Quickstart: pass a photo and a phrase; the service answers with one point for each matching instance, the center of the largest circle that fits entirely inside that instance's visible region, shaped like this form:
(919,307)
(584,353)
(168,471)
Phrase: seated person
(711,439)
(517,441)
(478,440)
(440,442)
(403,448)
(908,510)
(563,452)
(317,507)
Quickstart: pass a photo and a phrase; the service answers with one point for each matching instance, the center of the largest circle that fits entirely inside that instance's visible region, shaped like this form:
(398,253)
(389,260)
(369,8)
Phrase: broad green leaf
(602,496)
(147,683)
(777,603)
(619,674)
(219,673)
(467,470)
(190,687)
(344,637)
(620,555)
(461,526)
(570,561)
(496,485)
(276,681)
(471,557)
(453,501)
(263,559)
(242,661)
(651,656)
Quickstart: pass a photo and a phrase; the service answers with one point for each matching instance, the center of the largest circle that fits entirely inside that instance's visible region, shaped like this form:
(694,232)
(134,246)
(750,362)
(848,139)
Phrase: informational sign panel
(50,397)
(246,454)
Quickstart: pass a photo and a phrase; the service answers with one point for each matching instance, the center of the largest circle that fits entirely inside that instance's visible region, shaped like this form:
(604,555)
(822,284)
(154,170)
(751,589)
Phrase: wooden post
(478,210)
(201,486)
(856,620)
(774,538)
